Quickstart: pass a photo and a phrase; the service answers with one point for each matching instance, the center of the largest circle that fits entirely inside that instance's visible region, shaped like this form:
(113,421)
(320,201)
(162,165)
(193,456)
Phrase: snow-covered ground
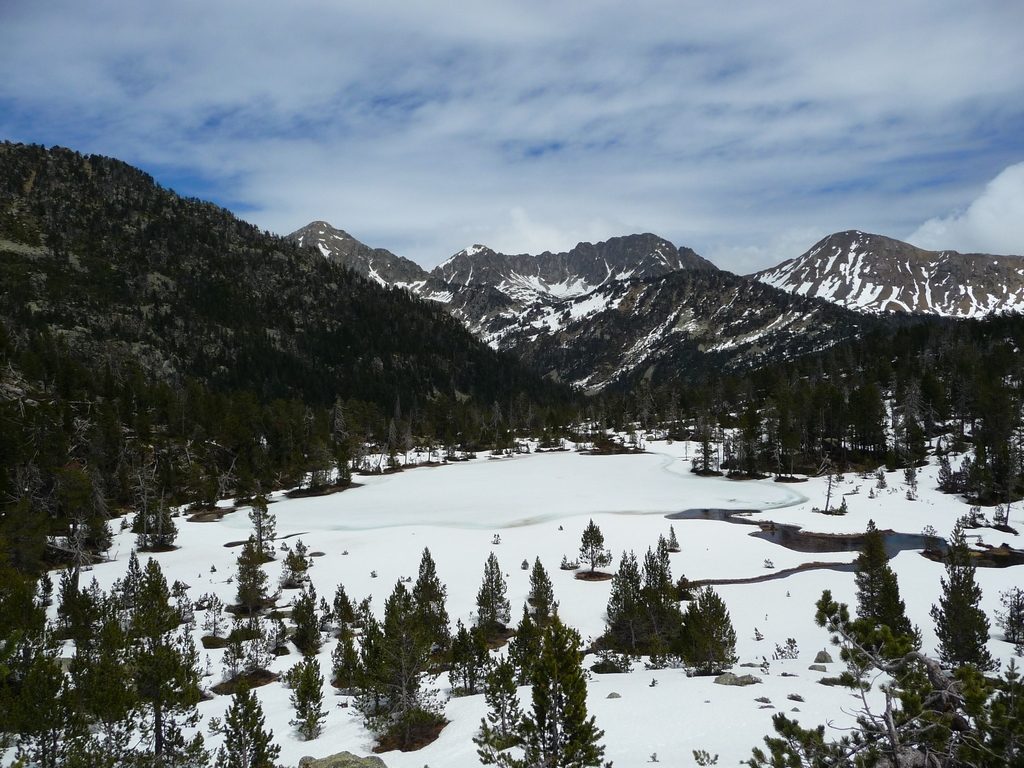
(539,504)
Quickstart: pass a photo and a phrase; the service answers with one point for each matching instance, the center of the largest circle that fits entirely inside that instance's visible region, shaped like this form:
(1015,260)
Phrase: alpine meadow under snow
(536,505)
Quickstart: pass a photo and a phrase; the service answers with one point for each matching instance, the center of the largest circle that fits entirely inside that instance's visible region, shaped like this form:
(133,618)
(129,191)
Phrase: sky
(746,130)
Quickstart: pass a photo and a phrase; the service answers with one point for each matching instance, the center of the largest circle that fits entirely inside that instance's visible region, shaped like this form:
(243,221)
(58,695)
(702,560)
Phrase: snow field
(456,510)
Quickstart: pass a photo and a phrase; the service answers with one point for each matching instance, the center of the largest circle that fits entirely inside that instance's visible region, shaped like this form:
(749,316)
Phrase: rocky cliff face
(878,275)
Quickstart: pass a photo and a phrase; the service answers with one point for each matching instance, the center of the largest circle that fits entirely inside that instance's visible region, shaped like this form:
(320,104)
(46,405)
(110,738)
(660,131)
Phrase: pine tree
(706,461)
(344,613)
(429,597)
(664,620)
(247,743)
(626,613)
(542,593)
(708,638)
(251,580)
(556,732)
(257,646)
(213,622)
(499,730)
(592,547)
(395,703)
(1011,619)
(878,592)
(166,673)
(468,659)
(673,542)
(126,590)
(44,717)
(102,675)
(524,647)
(345,663)
(154,527)
(307,623)
(307,698)
(493,608)
(961,626)
(264,527)
(294,572)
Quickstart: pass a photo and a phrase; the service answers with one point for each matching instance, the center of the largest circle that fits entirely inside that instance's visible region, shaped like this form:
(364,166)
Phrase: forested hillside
(882,399)
(121,269)
(157,349)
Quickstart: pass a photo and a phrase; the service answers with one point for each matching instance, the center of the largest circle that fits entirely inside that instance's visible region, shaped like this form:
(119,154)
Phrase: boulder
(823,657)
(342,760)
(614,695)
(728,678)
(818,668)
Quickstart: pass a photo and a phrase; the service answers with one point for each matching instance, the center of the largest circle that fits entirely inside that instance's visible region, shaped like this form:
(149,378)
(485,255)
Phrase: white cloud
(425,127)
(993,223)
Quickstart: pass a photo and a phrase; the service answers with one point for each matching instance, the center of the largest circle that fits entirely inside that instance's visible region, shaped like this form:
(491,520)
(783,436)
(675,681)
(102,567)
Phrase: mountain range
(98,256)
(608,313)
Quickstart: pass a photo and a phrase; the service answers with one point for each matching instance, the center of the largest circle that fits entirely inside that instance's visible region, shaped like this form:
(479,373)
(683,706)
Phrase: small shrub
(787,651)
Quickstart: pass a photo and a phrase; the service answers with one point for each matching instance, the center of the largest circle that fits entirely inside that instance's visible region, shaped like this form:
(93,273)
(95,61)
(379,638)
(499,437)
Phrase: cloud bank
(993,223)
(425,127)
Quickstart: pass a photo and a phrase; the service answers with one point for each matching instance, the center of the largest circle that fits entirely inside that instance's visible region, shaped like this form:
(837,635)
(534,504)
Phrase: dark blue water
(794,538)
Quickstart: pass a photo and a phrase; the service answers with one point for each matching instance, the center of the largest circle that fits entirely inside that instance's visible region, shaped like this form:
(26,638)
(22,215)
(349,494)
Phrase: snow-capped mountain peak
(877,275)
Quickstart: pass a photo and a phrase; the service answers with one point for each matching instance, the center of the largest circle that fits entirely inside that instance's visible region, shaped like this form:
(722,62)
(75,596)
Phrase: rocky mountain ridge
(377,264)
(604,314)
(879,275)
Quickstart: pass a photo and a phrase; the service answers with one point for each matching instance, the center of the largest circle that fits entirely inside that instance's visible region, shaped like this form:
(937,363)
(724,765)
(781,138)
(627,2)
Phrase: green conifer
(307,698)
(592,549)
(524,647)
(345,663)
(166,673)
(247,743)
(429,597)
(468,659)
(264,526)
(625,615)
(556,732)
(251,580)
(708,637)
(499,730)
(307,623)
(344,613)
(878,592)
(542,594)
(493,609)
(961,626)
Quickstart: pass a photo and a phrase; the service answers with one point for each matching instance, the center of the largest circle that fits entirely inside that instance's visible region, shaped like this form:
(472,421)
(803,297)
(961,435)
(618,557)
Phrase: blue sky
(745,130)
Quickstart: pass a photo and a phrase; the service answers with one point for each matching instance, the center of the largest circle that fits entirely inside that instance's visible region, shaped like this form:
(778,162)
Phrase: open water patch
(793,537)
